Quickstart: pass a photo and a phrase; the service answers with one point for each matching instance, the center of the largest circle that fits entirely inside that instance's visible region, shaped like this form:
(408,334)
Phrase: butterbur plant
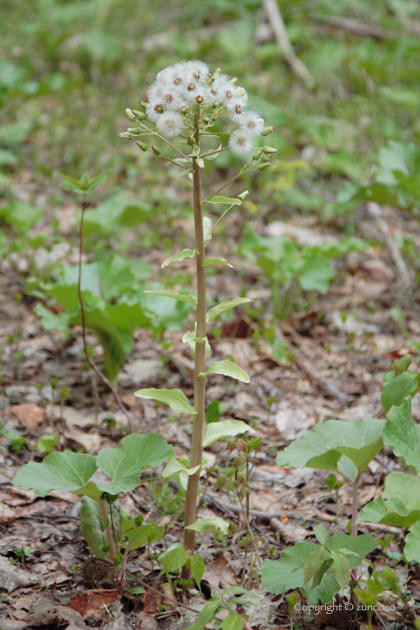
(184,105)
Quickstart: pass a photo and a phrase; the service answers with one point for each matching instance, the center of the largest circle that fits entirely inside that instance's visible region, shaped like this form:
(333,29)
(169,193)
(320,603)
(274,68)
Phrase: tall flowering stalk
(184,103)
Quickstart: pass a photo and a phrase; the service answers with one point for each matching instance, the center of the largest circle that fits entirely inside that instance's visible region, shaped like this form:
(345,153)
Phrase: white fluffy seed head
(240,142)
(169,124)
(235,109)
(196,71)
(155,109)
(252,124)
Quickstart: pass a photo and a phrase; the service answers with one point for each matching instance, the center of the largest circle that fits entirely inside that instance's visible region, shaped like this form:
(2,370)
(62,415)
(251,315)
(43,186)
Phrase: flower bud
(266,157)
(130,115)
(155,150)
(126,135)
(191,141)
(139,115)
(267,131)
(135,130)
(206,120)
(262,167)
(243,195)
(269,150)
(143,104)
(257,155)
(143,146)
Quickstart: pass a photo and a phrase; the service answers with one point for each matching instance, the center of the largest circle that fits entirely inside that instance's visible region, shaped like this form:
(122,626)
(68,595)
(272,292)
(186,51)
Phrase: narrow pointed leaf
(216,262)
(207,229)
(341,567)
(224,306)
(226,201)
(211,524)
(66,471)
(412,544)
(228,368)
(197,566)
(226,428)
(175,398)
(174,466)
(133,454)
(179,257)
(173,294)
(312,563)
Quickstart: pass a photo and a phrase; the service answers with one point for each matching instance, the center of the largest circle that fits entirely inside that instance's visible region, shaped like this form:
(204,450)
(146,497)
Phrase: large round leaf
(66,471)
(133,454)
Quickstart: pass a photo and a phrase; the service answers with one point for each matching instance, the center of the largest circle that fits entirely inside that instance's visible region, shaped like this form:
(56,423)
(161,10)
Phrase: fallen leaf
(93,601)
(152,600)
(220,575)
(28,414)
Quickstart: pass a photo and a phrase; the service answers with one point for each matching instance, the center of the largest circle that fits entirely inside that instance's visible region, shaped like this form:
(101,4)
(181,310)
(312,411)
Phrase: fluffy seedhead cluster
(187,88)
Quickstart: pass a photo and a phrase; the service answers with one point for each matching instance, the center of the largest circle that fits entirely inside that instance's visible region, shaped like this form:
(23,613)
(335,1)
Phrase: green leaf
(316,274)
(392,512)
(133,454)
(206,615)
(359,546)
(215,155)
(186,253)
(224,306)
(210,524)
(403,487)
(226,428)
(412,544)
(92,524)
(226,201)
(322,533)
(216,262)
(227,368)
(143,535)
(68,472)
(20,215)
(286,573)
(173,294)
(403,435)
(312,563)
(394,392)
(137,590)
(96,181)
(341,567)
(175,398)
(207,229)
(175,466)
(197,566)
(335,445)
(173,558)
(232,622)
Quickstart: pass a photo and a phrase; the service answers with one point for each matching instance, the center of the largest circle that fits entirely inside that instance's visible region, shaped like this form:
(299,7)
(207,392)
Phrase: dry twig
(277,25)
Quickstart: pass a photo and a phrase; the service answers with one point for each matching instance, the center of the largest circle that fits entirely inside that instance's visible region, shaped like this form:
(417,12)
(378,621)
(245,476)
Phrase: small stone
(11,577)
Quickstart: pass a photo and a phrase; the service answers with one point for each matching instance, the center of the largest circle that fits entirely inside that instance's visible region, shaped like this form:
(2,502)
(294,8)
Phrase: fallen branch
(375,211)
(355,27)
(277,26)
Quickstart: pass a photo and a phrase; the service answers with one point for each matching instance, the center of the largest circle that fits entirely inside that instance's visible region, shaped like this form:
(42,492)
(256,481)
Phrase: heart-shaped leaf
(175,398)
(133,454)
(173,558)
(335,445)
(144,535)
(68,472)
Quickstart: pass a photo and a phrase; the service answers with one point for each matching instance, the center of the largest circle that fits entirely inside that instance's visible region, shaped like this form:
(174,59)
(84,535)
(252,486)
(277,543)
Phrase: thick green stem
(200,357)
(108,531)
